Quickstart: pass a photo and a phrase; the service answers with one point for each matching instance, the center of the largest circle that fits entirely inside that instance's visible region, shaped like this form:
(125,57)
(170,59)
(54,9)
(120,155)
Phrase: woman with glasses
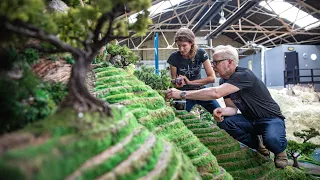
(185,68)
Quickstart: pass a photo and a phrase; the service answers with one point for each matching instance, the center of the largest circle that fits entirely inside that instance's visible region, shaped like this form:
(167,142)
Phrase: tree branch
(109,16)
(79,40)
(291,155)
(106,37)
(87,42)
(29,30)
(98,28)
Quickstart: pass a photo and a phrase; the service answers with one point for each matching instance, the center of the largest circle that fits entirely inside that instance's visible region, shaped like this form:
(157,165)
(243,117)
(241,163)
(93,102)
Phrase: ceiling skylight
(291,13)
(157,8)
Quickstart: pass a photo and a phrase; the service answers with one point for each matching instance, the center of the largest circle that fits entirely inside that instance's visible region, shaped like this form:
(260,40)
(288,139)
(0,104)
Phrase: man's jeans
(208,105)
(272,130)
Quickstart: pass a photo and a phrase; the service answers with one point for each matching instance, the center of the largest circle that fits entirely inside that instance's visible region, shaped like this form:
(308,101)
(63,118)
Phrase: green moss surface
(85,146)
(151,111)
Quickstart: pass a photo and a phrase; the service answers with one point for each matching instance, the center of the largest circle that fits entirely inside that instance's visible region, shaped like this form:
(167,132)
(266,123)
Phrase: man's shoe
(281,160)
(262,149)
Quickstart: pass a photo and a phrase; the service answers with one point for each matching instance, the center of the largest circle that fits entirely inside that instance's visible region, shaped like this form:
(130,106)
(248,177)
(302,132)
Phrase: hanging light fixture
(209,15)
(222,18)
(233,18)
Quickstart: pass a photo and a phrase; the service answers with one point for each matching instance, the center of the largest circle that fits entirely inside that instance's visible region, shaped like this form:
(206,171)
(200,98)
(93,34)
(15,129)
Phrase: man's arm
(230,109)
(209,93)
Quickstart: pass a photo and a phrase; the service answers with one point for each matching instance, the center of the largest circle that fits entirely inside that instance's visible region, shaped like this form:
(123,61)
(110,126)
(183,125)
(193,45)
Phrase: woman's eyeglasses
(215,63)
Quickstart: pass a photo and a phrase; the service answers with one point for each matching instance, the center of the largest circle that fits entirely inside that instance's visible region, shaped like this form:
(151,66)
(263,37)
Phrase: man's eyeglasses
(215,63)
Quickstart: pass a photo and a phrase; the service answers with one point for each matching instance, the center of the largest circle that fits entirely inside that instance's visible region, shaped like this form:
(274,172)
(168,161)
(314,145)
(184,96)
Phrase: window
(291,13)
(157,8)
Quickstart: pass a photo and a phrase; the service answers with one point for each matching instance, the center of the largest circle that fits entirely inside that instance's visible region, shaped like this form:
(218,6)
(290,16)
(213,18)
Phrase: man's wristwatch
(183,95)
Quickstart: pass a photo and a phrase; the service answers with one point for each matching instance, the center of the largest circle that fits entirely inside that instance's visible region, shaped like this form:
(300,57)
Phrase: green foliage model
(91,146)
(295,149)
(186,130)
(57,91)
(23,97)
(307,134)
(81,31)
(117,86)
(156,82)
(129,57)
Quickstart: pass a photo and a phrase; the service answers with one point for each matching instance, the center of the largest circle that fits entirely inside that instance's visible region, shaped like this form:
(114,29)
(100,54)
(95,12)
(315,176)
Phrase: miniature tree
(307,134)
(82,31)
(295,149)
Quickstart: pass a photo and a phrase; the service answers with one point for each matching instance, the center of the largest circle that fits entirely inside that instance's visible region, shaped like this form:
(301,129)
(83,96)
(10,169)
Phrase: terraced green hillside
(91,146)
(118,87)
(241,163)
(70,145)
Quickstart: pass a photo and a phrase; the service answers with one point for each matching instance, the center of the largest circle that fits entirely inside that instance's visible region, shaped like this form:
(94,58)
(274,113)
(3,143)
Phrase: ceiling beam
(244,42)
(243,31)
(175,12)
(260,25)
(294,32)
(210,14)
(197,14)
(289,33)
(256,27)
(310,7)
(152,28)
(166,20)
(234,17)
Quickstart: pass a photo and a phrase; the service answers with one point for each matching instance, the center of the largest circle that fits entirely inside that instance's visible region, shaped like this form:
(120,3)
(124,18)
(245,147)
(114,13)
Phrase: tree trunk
(79,97)
(295,162)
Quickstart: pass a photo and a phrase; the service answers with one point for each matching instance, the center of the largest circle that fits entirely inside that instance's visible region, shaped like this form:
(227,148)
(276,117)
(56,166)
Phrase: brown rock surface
(58,71)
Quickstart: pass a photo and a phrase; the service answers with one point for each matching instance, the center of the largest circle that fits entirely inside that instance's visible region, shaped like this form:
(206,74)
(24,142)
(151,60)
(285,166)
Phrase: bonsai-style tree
(295,149)
(81,31)
(307,134)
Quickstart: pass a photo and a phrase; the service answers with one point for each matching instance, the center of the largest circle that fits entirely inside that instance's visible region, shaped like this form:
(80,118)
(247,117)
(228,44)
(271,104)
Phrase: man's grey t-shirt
(253,99)
(191,68)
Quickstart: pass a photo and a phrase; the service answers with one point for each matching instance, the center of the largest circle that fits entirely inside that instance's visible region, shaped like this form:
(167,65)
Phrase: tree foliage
(129,57)
(23,97)
(74,27)
(307,134)
(295,149)
(157,82)
(81,31)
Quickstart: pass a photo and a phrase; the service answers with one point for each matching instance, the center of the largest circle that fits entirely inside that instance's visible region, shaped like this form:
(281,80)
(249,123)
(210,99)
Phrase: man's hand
(217,114)
(173,93)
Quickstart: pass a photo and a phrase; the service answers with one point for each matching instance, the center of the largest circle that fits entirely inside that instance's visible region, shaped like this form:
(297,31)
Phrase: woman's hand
(217,114)
(185,79)
(179,82)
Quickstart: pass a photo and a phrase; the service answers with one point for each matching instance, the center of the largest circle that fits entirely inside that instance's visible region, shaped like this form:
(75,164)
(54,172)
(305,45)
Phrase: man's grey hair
(227,52)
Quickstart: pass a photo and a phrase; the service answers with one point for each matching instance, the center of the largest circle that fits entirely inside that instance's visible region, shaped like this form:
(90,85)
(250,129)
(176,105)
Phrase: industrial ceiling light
(209,15)
(233,18)
(222,18)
